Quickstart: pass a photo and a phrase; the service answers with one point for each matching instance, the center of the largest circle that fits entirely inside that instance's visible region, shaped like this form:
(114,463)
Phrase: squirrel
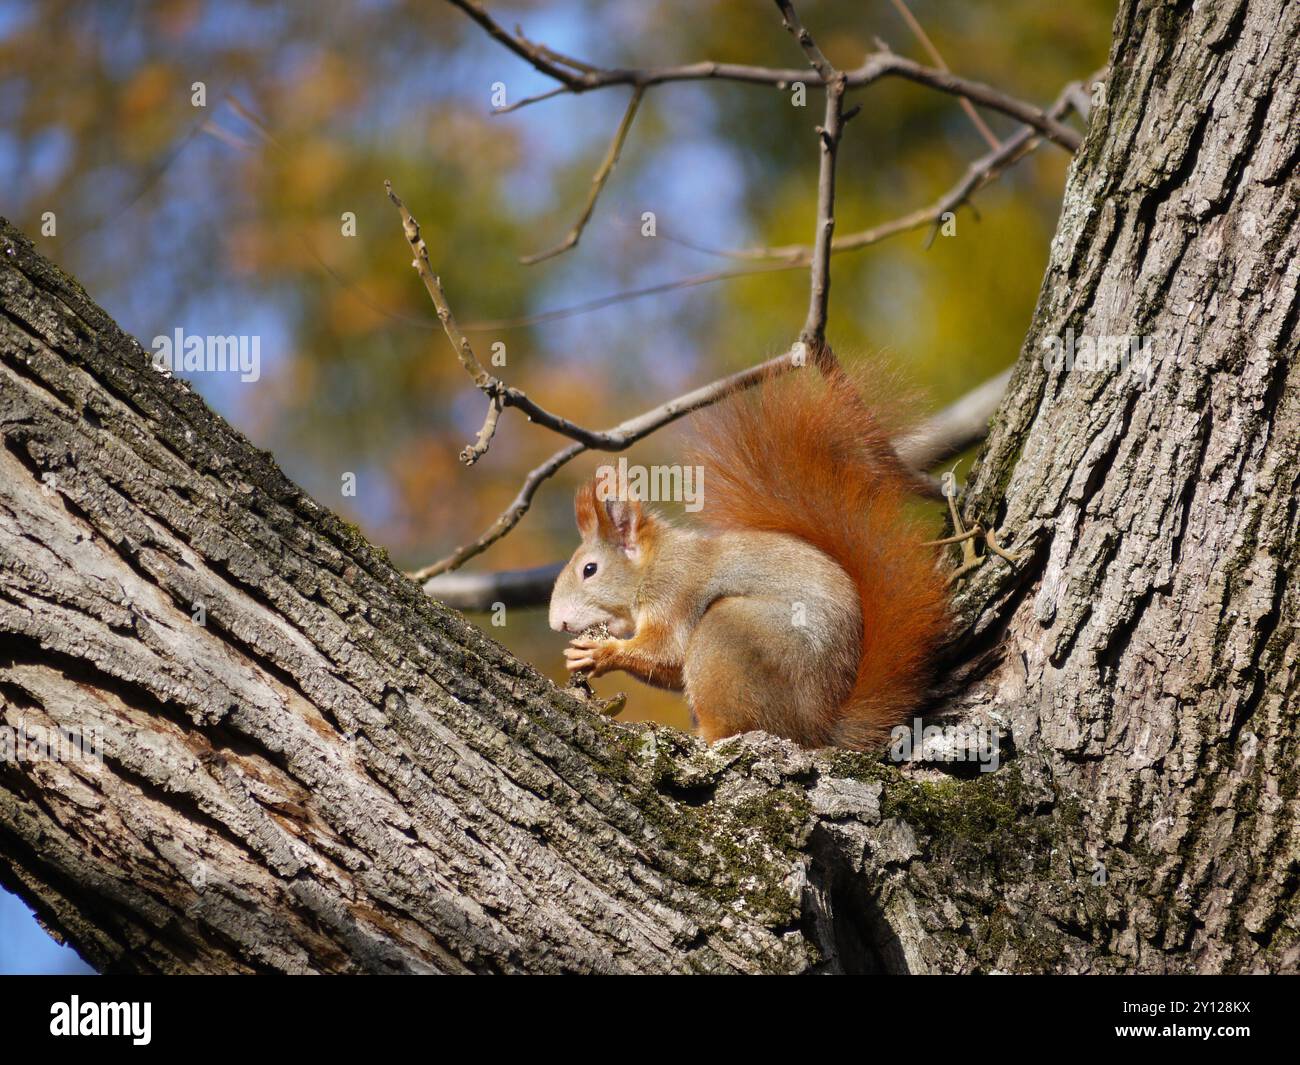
(807,606)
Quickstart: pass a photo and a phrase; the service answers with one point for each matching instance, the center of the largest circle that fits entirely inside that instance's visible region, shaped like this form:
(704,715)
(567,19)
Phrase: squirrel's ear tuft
(586,510)
(628,523)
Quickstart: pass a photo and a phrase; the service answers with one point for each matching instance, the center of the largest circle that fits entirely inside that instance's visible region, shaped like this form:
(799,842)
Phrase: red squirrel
(807,606)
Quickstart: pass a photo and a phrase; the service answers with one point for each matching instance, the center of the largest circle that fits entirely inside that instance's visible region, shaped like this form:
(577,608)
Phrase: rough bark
(1149,655)
(335,773)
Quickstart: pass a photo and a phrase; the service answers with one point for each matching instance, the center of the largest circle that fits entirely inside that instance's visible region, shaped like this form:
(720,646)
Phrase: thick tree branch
(483,591)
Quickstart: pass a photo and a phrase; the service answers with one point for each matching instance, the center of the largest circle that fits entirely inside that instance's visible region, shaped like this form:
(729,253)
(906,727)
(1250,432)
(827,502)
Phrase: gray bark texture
(335,773)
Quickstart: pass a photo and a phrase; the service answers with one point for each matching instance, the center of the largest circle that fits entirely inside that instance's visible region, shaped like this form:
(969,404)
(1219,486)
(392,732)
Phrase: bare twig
(978,174)
(587,306)
(557,56)
(597,182)
(496,390)
(623,435)
(508,518)
(813,334)
(796,256)
(816,58)
(918,31)
(949,432)
(520,45)
(945,81)
(559,90)
(475,451)
(877,65)
(433,285)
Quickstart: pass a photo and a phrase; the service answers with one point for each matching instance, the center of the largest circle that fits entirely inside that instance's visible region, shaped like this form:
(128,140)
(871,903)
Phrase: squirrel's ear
(629,523)
(585,510)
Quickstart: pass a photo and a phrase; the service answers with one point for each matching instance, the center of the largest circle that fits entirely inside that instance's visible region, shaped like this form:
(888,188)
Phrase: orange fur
(802,455)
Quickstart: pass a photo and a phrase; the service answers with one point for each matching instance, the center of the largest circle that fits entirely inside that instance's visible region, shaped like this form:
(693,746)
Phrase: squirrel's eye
(589,570)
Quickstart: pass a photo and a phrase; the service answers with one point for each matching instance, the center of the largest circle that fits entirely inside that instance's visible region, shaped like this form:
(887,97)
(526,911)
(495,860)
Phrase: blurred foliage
(226,219)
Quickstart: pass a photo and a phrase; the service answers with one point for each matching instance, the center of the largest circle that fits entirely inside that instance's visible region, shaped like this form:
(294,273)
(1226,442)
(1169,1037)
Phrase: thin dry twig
(877,65)
(952,430)
(471,453)
(978,174)
(813,334)
(556,314)
(597,183)
(623,435)
(797,256)
(520,45)
(495,389)
(433,285)
(919,33)
(816,59)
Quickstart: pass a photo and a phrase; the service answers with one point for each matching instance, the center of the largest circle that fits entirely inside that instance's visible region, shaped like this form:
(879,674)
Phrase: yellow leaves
(462,135)
(313,169)
(149,106)
(428,481)
(322,89)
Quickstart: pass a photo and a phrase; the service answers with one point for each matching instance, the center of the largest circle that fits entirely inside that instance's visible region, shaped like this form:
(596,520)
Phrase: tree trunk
(308,766)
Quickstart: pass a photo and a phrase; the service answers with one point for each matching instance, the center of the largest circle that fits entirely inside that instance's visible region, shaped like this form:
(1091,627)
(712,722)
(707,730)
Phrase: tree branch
(483,591)
(949,432)
(959,426)
(499,393)
(597,182)
(813,334)
(877,65)
(816,59)
(796,256)
(623,435)
(905,13)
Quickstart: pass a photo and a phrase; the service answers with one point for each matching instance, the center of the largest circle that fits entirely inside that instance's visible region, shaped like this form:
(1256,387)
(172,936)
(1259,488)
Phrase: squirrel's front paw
(588,655)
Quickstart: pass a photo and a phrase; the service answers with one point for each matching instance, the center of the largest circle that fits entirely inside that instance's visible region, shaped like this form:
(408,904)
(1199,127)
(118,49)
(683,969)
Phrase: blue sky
(26,948)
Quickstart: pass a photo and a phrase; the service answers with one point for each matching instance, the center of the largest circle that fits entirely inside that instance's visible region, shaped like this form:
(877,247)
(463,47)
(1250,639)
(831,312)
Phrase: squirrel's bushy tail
(803,455)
